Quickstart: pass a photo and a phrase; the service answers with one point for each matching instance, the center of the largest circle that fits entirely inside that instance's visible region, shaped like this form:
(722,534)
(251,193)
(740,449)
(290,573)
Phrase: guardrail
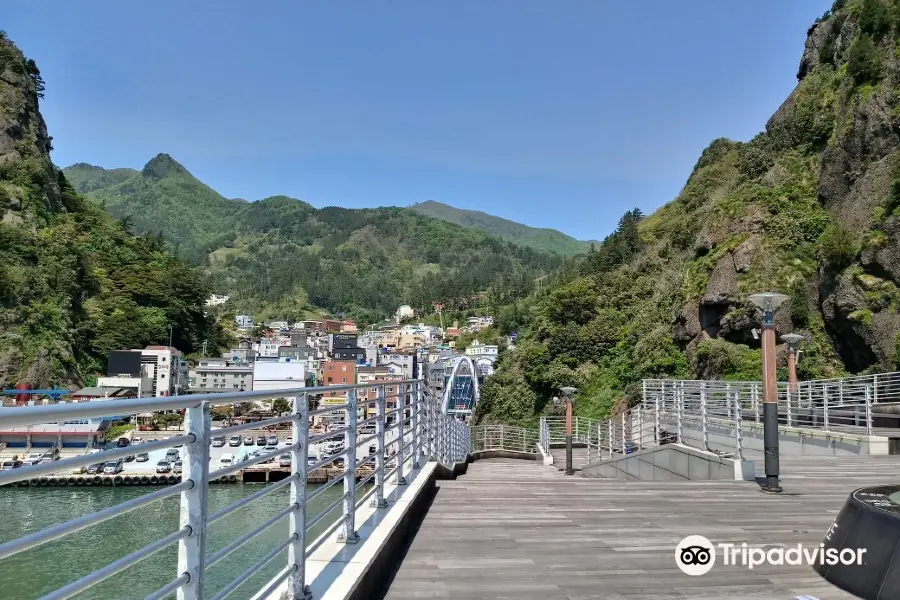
(584,431)
(504,437)
(411,429)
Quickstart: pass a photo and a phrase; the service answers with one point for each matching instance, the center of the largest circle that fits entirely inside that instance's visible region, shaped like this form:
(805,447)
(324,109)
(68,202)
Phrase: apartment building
(221,375)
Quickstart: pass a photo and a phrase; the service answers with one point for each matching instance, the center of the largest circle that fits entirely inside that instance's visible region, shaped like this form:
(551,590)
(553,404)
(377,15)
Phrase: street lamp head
(568,391)
(792,339)
(768,301)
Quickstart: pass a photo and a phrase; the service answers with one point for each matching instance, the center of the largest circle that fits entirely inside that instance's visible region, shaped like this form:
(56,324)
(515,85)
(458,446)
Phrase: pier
(488,511)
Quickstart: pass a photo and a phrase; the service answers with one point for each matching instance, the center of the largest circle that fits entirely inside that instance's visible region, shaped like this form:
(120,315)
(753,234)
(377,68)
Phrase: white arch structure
(448,389)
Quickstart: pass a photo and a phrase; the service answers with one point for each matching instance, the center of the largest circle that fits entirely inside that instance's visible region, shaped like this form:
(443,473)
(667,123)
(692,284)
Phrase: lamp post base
(569,469)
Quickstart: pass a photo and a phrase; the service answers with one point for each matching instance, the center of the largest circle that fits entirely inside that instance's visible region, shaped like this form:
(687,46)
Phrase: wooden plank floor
(515,530)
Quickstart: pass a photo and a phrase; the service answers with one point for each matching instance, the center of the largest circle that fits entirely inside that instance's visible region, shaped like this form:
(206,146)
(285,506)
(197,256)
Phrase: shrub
(874,17)
(837,247)
(864,62)
(799,304)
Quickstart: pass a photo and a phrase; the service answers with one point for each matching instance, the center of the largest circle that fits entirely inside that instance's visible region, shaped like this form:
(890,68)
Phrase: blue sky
(556,114)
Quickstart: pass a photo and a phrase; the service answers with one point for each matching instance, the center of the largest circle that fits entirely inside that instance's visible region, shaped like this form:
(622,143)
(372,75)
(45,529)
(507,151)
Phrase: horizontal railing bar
(322,488)
(170,587)
(329,459)
(276,582)
(313,521)
(328,435)
(234,545)
(329,408)
(252,497)
(83,460)
(363,482)
(253,425)
(366,440)
(323,537)
(77,524)
(240,466)
(117,566)
(231,587)
(46,413)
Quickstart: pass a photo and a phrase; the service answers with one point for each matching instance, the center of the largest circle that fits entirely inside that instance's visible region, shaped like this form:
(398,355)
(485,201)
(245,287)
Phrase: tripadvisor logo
(696,555)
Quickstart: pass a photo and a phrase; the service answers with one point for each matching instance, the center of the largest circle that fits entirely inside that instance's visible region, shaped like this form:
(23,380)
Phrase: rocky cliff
(74,283)
(810,207)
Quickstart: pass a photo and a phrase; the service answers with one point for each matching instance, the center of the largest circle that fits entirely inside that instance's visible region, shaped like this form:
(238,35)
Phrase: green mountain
(281,257)
(810,207)
(544,240)
(74,283)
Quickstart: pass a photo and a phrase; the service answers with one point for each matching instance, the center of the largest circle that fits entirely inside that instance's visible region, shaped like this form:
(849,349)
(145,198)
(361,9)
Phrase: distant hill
(281,257)
(545,240)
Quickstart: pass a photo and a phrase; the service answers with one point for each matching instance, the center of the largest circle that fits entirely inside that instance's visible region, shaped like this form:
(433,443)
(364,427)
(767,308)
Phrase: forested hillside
(809,207)
(542,239)
(74,283)
(281,257)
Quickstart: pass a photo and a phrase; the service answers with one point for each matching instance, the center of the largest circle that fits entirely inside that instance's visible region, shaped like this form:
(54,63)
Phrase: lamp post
(568,392)
(769,302)
(792,339)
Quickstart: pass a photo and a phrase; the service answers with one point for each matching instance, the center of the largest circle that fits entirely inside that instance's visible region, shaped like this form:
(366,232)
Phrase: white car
(284,460)
(227,460)
(333,447)
(34,459)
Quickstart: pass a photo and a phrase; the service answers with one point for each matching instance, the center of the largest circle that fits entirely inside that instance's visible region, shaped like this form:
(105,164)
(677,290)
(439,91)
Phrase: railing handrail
(418,429)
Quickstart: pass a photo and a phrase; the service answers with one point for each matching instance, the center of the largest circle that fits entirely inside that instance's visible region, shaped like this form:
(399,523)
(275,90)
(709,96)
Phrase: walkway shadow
(389,576)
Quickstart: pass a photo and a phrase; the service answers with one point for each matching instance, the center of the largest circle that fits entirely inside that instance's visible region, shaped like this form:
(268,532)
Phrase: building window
(343,367)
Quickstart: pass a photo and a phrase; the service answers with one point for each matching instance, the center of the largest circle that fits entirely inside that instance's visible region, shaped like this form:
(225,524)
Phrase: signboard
(333,401)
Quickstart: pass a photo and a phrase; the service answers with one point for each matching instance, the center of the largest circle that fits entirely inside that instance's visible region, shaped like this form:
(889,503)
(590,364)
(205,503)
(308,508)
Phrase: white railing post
(728,399)
(704,415)
(378,500)
(640,427)
(679,406)
(825,406)
(401,433)
(610,436)
(297,588)
(875,389)
(349,534)
(656,424)
(868,412)
(755,398)
(788,396)
(623,431)
(841,391)
(738,426)
(192,549)
(417,387)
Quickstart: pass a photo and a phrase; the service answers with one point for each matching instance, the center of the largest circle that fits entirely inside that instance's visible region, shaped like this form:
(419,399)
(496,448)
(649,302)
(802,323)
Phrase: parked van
(227,460)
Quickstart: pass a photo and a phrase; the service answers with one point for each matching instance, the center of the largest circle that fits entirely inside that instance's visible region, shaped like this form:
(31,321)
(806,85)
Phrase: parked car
(137,440)
(284,460)
(218,441)
(333,447)
(227,460)
(177,468)
(129,458)
(122,442)
(142,457)
(338,463)
(261,440)
(311,461)
(113,466)
(34,459)
(272,440)
(172,454)
(9,465)
(235,440)
(96,468)
(248,441)
(163,466)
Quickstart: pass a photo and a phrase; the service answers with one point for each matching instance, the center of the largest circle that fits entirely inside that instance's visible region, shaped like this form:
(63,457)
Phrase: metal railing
(504,437)
(394,441)
(584,431)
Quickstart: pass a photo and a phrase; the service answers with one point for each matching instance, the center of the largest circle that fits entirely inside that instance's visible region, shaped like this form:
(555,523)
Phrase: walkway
(513,530)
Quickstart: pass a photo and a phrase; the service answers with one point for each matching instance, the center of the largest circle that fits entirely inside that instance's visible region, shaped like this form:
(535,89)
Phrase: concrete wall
(671,462)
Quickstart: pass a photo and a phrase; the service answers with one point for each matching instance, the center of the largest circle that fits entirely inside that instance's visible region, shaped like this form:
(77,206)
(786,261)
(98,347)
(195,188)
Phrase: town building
(216,300)
(243,321)
(221,375)
(407,363)
(168,368)
(89,394)
(476,324)
(278,325)
(333,325)
(348,327)
(404,312)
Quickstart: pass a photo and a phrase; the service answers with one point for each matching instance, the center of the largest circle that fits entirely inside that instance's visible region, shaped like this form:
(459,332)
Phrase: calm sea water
(32,574)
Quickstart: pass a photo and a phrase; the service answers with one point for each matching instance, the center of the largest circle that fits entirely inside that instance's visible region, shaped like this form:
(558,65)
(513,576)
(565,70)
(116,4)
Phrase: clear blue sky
(554,113)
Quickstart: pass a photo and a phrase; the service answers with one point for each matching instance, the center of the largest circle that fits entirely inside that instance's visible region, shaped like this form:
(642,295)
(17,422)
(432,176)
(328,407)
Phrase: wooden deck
(515,530)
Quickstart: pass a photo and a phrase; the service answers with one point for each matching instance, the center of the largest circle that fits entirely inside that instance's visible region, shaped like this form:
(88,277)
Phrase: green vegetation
(838,247)
(75,283)
(543,240)
(117,430)
(280,257)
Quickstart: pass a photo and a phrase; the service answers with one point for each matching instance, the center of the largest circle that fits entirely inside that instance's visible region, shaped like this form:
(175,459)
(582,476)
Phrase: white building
(271,375)
(406,363)
(404,312)
(167,367)
(216,300)
(278,325)
(479,323)
(244,321)
(479,350)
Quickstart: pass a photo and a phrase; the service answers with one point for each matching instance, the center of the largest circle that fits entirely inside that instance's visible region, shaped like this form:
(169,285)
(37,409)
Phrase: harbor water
(32,574)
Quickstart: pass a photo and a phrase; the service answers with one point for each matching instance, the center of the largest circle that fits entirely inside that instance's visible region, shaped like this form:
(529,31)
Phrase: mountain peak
(161,166)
